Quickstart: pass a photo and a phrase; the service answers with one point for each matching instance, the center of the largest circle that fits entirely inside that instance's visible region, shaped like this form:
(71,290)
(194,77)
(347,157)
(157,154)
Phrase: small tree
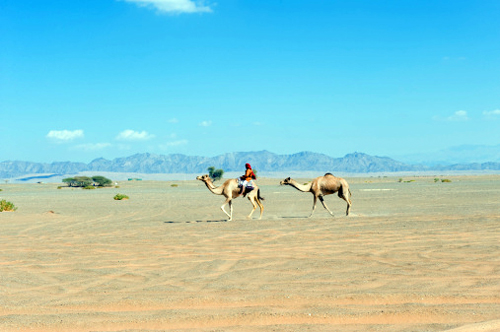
(101,181)
(70,182)
(83,181)
(215,174)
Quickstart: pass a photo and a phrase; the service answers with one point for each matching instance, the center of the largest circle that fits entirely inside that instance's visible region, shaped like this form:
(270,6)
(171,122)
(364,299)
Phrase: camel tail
(258,195)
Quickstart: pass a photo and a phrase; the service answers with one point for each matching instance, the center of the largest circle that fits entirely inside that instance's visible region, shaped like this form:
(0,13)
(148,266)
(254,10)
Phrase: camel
(321,186)
(230,190)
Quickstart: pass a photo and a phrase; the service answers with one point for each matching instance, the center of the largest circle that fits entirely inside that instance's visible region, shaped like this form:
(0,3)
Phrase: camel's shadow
(219,220)
(192,221)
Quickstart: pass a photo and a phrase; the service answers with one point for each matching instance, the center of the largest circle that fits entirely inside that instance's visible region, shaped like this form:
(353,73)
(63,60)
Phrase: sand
(413,256)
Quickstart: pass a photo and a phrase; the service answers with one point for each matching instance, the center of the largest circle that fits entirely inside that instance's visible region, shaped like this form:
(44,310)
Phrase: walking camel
(230,190)
(322,186)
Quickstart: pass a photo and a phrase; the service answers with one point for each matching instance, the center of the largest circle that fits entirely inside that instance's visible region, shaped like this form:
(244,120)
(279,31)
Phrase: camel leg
(322,199)
(314,206)
(260,206)
(345,197)
(254,206)
(228,201)
(349,203)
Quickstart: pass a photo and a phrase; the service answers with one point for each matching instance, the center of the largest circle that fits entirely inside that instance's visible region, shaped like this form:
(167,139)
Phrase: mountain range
(462,154)
(263,161)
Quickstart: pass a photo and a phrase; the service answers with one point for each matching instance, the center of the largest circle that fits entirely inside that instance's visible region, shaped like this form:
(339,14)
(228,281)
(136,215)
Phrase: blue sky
(81,80)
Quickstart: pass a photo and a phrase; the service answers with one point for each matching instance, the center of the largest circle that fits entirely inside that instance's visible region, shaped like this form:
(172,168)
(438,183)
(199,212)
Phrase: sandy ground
(417,256)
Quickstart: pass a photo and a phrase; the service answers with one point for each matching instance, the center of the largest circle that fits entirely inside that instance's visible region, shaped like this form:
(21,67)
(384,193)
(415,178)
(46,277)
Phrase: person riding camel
(246,179)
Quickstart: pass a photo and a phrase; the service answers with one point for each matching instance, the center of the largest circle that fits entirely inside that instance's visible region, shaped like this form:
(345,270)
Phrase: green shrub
(88,187)
(7,206)
(445,180)
(119,197)
(174,185)
(215,174)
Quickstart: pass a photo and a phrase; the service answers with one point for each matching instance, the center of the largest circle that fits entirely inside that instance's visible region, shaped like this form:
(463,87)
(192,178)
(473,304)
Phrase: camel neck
(301,187)
(213,188)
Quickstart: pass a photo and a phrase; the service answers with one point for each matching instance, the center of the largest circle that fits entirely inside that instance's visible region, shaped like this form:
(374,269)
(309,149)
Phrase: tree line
(85,181)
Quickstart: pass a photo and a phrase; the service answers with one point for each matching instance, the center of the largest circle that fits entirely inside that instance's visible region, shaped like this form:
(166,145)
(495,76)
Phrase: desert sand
(413,256)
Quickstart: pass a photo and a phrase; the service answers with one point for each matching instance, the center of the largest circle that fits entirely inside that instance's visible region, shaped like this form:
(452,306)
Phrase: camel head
(286,181)
(205,178)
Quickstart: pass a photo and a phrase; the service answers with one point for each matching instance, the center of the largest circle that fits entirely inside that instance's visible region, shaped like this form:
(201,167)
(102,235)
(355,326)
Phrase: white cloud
(174,6)
(132,135)
(92,147)
(458,116)
(65,135)
(491,114)
(206,123)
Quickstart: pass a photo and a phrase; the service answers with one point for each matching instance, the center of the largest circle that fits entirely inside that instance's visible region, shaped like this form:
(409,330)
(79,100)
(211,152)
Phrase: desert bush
(7,206)
(88,187)
(215,174)
(119,197)
(174,185)
(445,180)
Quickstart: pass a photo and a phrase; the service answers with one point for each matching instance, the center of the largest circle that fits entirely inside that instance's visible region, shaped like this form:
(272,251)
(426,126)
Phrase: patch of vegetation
(442,180)
(119,197)
(85,181)
(7,206)
(174,185)
(88,187)
(59,187)
(406,181)
(215,174)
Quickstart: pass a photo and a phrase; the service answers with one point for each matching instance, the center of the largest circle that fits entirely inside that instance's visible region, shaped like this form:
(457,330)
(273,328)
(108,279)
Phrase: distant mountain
(263,161)
(463,154)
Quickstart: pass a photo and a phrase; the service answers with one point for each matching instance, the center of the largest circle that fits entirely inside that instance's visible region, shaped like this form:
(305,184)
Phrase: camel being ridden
(322,186)
(231,190)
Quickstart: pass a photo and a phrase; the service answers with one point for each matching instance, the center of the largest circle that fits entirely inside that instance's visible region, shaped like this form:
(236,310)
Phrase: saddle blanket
(249,186)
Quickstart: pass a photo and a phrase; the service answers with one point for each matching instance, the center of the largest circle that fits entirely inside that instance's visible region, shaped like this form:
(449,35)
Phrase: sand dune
(419,256)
